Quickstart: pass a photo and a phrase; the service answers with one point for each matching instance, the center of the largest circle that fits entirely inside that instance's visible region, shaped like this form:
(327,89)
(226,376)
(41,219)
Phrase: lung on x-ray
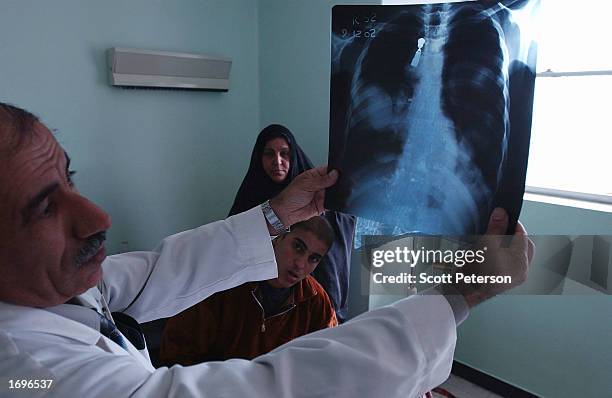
(430,115)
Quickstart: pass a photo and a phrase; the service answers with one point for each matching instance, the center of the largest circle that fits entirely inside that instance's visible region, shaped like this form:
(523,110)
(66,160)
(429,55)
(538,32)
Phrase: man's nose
(88,218)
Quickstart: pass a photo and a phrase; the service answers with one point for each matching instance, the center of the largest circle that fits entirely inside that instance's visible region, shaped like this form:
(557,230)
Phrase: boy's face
(297,254)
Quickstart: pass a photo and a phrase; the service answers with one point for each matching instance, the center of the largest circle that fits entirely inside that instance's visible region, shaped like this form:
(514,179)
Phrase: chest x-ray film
(430,115)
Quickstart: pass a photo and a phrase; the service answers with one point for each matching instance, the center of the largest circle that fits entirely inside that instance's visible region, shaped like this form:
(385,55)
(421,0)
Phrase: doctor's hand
(303,197)
(501,259)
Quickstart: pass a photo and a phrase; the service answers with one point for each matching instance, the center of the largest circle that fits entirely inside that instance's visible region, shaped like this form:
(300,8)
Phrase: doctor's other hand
(501,259)
(303,197)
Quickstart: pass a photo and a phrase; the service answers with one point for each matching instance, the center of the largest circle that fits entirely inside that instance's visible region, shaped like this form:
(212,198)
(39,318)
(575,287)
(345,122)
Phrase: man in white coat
(58,288)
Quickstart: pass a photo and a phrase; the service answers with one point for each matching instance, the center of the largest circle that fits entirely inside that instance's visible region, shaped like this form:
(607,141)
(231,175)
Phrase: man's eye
(69,178)
(47,208)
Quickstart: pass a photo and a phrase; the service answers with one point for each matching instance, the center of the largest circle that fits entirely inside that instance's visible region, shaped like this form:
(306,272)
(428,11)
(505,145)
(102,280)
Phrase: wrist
(458,302)
(280,211)
(276,223)
(472,294)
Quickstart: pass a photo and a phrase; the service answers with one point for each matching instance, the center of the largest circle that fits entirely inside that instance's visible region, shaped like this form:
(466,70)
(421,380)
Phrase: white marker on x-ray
(417,55)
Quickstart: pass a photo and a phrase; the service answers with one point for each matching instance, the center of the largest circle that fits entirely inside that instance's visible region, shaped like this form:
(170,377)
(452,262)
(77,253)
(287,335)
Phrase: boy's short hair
(320,227)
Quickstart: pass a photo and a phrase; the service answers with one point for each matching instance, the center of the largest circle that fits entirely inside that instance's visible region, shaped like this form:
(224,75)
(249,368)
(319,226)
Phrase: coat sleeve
(190,266)
(402,350)
(189,336)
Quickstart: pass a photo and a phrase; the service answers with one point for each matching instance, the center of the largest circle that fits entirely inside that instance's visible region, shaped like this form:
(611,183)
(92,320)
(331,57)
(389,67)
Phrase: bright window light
(574,35)
(571,141)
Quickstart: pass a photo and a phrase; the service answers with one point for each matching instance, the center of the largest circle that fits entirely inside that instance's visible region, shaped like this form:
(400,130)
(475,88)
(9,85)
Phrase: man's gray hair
(16,125)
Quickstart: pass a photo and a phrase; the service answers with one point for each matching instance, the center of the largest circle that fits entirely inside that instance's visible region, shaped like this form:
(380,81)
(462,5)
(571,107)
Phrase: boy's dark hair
(320,227)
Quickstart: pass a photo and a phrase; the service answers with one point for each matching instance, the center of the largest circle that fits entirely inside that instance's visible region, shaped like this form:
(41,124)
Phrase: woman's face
(275,159)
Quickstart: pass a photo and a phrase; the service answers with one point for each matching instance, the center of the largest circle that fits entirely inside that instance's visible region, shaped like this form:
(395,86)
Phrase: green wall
(157,161)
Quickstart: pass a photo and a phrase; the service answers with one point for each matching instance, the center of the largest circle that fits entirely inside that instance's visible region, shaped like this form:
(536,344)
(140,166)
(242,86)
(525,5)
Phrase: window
(571,141)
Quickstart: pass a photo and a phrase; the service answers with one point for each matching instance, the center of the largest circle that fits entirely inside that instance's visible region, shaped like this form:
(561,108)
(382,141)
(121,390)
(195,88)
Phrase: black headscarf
(333,271)
(257,186)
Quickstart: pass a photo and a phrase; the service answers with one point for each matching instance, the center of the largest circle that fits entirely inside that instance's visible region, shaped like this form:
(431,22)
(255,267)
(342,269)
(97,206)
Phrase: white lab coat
(402,350)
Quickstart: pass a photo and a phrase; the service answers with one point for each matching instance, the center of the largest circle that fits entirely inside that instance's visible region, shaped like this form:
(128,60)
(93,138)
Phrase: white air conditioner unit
(130,67)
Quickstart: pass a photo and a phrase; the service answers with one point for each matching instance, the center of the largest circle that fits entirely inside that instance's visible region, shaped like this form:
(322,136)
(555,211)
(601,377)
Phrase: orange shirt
(231,324)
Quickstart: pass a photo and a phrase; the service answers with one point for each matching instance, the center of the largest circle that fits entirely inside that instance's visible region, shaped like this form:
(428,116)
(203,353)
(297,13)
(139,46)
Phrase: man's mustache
(90,249)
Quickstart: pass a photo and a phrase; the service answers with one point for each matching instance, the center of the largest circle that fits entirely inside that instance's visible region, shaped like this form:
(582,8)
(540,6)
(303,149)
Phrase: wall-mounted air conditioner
(130,67)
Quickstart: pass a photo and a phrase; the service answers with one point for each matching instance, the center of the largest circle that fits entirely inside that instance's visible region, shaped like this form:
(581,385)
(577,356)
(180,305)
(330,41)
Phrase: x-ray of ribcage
(430,113)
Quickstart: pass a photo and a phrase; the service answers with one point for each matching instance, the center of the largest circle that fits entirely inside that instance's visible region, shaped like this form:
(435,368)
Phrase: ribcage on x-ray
(426,122)
(475,92)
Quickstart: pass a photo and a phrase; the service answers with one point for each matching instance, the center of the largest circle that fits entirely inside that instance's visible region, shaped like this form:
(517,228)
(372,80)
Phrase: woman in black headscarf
(259,185)
(276,160)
